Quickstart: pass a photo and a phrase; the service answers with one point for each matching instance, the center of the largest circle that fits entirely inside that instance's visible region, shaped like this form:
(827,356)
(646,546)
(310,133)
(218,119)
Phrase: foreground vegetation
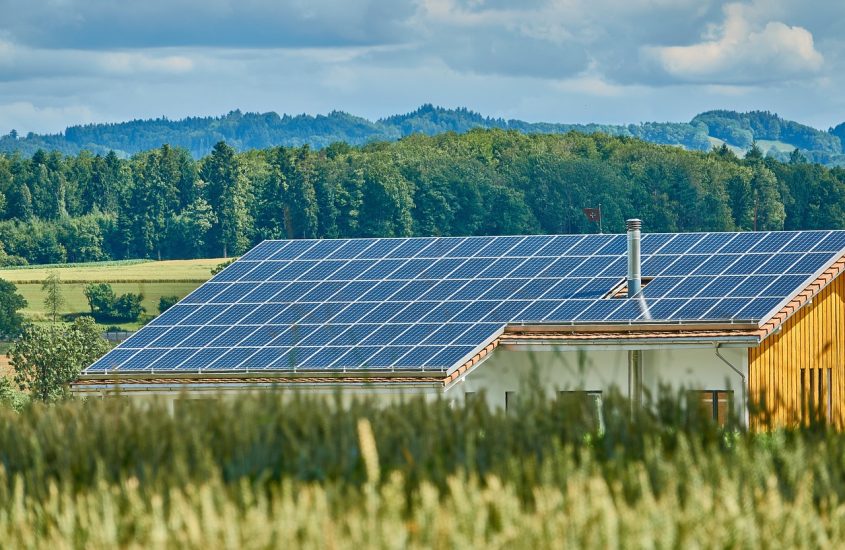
(265,472)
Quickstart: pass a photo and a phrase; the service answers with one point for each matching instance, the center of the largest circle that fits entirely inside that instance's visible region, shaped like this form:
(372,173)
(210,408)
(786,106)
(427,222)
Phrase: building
(734,316)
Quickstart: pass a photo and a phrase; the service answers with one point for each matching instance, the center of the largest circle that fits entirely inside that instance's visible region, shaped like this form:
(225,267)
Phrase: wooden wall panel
(782,368)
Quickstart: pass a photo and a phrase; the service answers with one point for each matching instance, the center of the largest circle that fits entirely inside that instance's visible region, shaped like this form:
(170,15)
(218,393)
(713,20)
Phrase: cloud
(736,52)
(69,61)
(106,24)
(21,62)
(25,115)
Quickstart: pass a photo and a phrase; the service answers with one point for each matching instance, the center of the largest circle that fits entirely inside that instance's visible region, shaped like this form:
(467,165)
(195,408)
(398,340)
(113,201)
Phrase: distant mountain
(773,135)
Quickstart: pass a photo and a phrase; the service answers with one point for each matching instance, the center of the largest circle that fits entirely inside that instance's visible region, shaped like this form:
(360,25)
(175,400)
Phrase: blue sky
(66,62)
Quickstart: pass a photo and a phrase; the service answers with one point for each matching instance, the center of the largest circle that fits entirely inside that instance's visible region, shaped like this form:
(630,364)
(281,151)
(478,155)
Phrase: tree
(47,359)
(53,299)
(300,198)
(226,192)
(11,303)
(770,212)
(83,238)
(127,307)
(100,298)
(19,202)
(188,230)
(166,302)
(106,306)
(153,199)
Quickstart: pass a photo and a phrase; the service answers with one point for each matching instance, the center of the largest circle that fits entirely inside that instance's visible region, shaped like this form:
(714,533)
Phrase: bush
(100,298)
(47,359)
(221,266)
(166,302)
(128,307)
(11,396)
(105,306)
(11,303)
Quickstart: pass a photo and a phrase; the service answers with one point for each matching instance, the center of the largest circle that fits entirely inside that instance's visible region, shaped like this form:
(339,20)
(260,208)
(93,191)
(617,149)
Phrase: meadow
(151,278)
(261,471)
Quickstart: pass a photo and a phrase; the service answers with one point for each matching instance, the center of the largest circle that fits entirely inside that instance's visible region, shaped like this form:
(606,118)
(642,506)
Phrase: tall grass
(261,471)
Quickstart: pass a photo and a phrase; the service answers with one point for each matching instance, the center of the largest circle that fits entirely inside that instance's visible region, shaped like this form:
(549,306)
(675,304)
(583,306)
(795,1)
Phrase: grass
(107,272)
(152,279)
(781,146)
(261,471)
(78,264)
(76,303)
(716,142)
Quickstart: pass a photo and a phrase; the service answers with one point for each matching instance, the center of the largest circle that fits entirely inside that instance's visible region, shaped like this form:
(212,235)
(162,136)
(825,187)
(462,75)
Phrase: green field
(783,147)
(716,142)
(150,278)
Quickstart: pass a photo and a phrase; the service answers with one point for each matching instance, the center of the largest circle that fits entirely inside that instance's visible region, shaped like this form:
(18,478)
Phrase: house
(734,316)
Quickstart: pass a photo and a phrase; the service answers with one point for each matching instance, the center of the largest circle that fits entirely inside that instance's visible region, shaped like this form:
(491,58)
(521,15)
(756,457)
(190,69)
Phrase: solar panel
(427,303)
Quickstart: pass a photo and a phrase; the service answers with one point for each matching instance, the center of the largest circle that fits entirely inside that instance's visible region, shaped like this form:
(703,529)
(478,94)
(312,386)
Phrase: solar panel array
(430,303)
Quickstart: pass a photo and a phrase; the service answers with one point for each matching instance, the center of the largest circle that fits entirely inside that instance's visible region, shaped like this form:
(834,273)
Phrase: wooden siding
(788,372)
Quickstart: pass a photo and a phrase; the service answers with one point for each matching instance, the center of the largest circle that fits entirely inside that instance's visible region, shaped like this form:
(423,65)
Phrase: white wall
(381,394)
(586,369)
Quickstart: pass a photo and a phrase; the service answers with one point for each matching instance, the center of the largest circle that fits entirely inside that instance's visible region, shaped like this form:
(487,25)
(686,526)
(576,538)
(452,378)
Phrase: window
(589,401)
(816,394)
(510,401)
(716,404)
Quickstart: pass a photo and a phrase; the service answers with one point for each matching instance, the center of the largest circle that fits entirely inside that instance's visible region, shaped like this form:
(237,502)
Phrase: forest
(777,137)
(163,204)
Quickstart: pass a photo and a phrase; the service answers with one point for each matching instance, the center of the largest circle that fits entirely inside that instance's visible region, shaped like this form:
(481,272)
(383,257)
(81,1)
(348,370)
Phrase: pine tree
(226,189)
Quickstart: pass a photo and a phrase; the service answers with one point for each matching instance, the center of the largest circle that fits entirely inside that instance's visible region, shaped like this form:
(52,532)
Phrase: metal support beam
(635,378)
(742,381)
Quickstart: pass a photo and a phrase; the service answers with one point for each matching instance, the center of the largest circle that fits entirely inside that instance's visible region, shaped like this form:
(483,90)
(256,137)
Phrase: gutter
(639,343)
(95,387)
(716,346)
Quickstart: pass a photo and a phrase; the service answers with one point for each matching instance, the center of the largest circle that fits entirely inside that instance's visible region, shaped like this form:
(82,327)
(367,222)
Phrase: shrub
(11,303)
(11,396)
(166,302)
(47,359)
(100,298)
(105,306)
(128,307)
(221,266)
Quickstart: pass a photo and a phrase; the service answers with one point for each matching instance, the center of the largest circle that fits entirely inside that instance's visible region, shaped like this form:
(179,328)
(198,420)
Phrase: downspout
(635,357)
(716,345)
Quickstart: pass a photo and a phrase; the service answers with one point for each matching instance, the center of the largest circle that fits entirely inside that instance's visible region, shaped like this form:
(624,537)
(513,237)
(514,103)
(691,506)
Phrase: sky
(65,62)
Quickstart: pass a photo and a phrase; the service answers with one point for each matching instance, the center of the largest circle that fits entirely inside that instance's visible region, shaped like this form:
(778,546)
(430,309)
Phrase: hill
(246,131)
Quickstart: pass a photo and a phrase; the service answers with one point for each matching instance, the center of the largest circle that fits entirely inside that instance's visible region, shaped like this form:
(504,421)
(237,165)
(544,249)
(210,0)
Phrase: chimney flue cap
(633,224)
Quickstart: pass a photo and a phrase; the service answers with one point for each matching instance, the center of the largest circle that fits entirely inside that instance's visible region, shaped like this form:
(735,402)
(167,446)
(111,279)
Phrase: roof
(432,304)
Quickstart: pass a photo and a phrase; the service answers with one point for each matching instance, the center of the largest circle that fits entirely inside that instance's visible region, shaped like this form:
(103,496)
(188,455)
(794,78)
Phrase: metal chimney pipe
(635,356)
(634,273)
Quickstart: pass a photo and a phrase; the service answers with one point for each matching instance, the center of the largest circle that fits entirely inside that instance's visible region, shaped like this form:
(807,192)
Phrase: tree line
(164,204)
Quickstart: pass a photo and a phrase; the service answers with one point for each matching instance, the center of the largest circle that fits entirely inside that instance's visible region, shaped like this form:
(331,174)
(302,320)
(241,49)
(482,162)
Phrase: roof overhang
(790,307)
(224,382)
(543,337)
